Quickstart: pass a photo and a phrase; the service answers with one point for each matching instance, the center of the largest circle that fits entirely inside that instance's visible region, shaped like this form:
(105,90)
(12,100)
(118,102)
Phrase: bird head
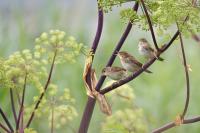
(123,54)
(142,42)
(105,71)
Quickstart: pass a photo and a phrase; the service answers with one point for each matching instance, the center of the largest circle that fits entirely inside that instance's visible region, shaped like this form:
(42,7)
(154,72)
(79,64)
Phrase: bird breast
(117,75)
(143,51)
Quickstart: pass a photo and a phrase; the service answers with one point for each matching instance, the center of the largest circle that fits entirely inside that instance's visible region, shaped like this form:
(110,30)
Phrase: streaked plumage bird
(145,49)
(129,62)
(115,73)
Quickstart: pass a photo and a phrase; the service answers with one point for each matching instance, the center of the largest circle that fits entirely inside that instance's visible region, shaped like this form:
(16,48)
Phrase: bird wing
(148,48)
(117,69)
(132,60)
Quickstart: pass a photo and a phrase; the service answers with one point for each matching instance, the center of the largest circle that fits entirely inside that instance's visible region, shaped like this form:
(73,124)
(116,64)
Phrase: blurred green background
(161,94)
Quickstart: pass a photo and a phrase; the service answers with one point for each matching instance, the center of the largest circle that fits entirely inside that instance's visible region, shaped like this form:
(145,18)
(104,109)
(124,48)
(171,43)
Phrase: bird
(114,72)
(129,62)
(146,50)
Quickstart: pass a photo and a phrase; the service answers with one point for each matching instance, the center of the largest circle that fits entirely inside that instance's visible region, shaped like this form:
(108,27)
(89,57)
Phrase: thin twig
(186,76)
(43,93)
(6,120)
(172,124)
(21,129)
(150,25)
(22,102)
(13,105)
(4,128)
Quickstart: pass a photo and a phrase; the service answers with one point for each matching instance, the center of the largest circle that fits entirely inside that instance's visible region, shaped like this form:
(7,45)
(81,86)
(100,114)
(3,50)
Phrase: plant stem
(150,25)
(6,120)
(91,102)
(43,93)
(172,124)
(13,105)
(4,128)
(98,32)
(21,129)
(186,76)
(22,103)
(18,97)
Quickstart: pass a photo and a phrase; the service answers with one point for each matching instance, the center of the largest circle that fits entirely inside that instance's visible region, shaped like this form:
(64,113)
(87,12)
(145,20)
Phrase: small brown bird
(115,73)
(129,62)
(145,49)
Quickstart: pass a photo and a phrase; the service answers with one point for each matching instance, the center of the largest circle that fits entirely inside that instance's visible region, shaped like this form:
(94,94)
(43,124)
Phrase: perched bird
(115,73)
(129,62)
(145,49)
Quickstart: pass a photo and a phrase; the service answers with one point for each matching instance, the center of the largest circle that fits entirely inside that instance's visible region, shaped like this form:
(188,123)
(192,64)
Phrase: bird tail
(148,71)
(160,59)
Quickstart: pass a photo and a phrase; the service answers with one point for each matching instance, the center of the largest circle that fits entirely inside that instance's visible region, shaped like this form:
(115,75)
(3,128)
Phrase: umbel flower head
(30,69)
(66,48)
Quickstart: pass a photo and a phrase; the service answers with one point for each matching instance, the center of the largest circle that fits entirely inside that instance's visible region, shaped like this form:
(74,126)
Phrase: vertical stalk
(22,103)
(13,105)
(43,93)
(150,25)
(91,102)
(187,78)
(84,125)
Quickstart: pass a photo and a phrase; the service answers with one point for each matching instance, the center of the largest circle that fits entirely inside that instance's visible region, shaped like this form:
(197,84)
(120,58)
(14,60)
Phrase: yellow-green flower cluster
(4,81)
(61,105)
(18,66)
(127,118)
(129,15)
(63,114)
(163,13)
(31,69)
(125,121)
(55,41)
(107,5)
(167,13)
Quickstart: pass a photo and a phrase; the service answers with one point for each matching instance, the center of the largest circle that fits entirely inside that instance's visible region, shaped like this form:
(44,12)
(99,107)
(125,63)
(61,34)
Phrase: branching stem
(91,102)
(172,124)
(43,93)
